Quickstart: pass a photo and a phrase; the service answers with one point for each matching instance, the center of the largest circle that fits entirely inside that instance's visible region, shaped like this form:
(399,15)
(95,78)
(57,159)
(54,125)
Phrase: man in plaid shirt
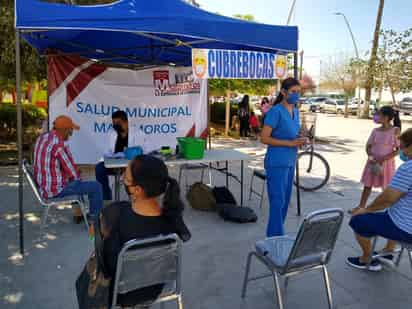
(55,171)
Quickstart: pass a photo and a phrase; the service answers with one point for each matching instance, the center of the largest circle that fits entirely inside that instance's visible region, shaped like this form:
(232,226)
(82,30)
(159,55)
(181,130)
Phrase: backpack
(233,213)
(223,196)
(201,197)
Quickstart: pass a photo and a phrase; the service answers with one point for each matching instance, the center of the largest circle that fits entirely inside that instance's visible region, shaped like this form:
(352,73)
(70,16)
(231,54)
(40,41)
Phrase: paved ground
(214,259)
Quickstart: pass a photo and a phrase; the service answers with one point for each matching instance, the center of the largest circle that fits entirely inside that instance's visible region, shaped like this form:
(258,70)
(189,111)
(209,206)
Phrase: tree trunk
(372,61)
(13,95)
(227,122)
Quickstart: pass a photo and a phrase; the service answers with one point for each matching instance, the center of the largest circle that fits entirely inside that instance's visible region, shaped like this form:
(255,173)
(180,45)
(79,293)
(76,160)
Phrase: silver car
(405,105)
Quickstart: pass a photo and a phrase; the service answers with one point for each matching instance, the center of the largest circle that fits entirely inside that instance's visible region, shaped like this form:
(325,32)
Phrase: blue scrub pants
(280,184)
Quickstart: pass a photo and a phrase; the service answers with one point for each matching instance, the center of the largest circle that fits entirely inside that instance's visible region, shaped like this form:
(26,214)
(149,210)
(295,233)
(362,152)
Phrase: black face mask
(118,128)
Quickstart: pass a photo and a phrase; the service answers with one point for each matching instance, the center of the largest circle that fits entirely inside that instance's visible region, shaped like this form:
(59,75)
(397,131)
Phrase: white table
(211,156)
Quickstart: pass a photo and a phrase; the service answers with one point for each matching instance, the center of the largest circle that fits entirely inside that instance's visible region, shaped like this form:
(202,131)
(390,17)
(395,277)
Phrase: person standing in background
(243,113)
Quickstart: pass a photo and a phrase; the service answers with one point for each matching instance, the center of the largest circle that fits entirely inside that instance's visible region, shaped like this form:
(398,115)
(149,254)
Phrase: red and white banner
(162,103)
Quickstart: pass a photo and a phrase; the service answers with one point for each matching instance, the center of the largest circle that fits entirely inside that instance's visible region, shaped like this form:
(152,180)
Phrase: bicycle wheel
(312,178)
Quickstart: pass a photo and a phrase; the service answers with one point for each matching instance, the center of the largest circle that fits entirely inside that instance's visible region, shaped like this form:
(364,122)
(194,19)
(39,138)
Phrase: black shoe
(356,263)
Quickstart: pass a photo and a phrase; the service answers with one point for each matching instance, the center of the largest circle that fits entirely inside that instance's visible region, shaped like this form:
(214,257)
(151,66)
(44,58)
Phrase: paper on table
(118,155)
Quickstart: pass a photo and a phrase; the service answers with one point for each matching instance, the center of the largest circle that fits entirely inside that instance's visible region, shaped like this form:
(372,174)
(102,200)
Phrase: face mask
(118,128)
(403,156)
(376,118)
(293,98)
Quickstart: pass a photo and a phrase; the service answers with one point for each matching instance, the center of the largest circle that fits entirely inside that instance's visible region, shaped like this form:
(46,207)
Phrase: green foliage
(220,87)
(32,116)
(33,67)
(218,112)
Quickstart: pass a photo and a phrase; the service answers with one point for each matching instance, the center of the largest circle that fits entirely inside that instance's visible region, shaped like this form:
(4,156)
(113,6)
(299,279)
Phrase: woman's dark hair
(392,114)
(119,115)
(245,102)
(286,85)
(152,175)
(406,137)
(265,100)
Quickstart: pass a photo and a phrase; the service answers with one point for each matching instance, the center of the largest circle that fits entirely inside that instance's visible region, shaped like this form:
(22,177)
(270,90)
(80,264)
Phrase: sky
(321,33)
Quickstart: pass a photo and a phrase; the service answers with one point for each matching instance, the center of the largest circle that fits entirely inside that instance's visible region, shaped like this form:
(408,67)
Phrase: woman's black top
(119,224)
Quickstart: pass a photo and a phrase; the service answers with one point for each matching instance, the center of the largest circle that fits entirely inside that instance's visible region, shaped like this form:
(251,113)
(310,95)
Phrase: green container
(191,148)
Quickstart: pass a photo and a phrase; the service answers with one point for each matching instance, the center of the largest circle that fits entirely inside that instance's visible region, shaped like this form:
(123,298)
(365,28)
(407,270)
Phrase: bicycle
(313,169)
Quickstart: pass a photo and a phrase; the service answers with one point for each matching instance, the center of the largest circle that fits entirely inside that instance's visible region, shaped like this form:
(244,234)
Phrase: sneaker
(356,263)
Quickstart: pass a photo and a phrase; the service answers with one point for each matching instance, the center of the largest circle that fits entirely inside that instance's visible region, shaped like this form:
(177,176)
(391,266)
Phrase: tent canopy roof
(143,32)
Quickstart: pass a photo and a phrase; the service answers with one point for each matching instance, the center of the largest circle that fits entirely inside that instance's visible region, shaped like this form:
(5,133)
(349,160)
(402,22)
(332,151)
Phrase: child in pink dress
(382,147)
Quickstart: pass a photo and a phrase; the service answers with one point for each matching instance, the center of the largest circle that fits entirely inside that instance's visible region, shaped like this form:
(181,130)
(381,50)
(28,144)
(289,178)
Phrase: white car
(333,106)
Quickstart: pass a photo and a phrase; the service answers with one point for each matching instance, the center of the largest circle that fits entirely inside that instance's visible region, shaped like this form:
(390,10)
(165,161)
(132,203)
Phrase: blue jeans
(102,176)
(280,184)
(92,189)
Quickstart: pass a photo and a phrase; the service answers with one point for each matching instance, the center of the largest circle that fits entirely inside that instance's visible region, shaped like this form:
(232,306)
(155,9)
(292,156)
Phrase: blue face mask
(403,156)
(293,98)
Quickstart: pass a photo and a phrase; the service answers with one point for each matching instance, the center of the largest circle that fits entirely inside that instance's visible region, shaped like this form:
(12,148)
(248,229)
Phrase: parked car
(405,105)
(316,102)
(353,106)
(333,106)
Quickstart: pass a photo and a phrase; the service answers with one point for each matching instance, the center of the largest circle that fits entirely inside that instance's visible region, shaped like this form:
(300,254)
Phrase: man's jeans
(92,189)
(102,176)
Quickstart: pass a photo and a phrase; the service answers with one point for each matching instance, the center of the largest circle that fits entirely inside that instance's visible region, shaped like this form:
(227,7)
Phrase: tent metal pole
(209,111)
(19,142)
(295,65)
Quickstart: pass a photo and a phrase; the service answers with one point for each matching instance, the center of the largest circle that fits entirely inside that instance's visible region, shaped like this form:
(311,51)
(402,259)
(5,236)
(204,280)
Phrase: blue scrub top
(284,127)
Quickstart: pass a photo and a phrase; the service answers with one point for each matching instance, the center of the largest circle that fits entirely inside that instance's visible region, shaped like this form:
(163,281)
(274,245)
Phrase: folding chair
(142,263)
(404,247)
(53,202)
(311,249)
(261,174)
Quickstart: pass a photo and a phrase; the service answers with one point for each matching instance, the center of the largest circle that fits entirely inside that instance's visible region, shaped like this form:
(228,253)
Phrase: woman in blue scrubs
(281,133)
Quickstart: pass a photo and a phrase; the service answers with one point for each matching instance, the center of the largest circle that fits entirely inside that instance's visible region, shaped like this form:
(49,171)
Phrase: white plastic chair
(310,250)
(53,202)
(147,262)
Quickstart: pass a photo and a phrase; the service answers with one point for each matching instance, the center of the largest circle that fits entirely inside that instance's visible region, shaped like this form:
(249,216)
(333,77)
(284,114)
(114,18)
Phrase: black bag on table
(234,213)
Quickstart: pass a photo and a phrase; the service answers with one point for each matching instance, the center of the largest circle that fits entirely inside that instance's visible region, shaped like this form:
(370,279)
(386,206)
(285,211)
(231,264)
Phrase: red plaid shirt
(54,166)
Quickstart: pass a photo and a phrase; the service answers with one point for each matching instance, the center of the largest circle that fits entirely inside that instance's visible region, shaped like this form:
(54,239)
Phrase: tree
(341,75)
(33,67)
(373,58)
(394,61)
(307,84)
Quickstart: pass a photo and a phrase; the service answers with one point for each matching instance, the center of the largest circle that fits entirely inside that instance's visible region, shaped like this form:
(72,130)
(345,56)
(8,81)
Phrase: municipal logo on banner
(237,64)
(182,83)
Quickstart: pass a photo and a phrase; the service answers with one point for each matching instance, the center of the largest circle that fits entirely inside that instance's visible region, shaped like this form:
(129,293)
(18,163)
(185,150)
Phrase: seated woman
(145,179)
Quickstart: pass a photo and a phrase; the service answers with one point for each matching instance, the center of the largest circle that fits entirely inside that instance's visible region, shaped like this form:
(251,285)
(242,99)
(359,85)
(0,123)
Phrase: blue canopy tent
(137,33)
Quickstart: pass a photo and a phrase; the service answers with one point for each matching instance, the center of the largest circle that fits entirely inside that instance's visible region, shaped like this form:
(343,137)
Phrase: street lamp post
(356,53)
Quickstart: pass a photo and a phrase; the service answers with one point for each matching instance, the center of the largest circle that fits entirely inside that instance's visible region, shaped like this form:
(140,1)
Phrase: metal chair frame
(289,269)
(175,295)
(404,247)
(188,166)
(261,175)
(53,202)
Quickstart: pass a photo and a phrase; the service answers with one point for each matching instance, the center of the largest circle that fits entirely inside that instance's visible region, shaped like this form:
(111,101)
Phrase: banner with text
(162,103)
(237,64)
